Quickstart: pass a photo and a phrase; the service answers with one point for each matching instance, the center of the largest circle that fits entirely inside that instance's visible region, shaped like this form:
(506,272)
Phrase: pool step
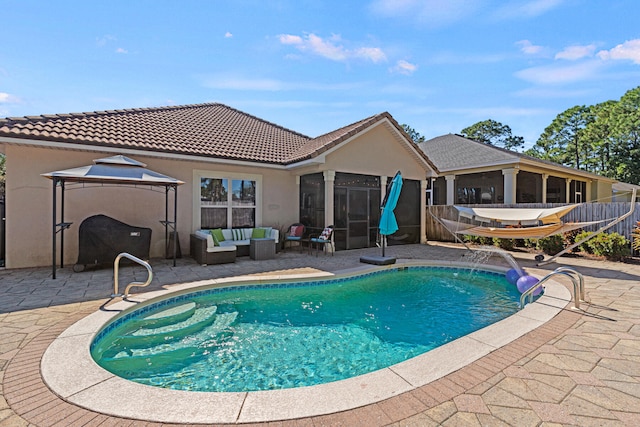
(123,361)
(166,317)
(149,337)
(160,356)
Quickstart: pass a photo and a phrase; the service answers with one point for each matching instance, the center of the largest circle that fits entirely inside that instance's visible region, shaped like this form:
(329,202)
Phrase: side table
(262,249)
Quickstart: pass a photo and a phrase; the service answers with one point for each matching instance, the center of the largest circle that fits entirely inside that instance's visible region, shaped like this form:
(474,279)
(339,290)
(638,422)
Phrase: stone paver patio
(581,368)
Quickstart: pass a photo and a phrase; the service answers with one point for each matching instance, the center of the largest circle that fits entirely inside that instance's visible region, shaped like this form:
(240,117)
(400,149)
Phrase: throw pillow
(238,234)
(326,233)
(216,233)
(296,230)
(258,233)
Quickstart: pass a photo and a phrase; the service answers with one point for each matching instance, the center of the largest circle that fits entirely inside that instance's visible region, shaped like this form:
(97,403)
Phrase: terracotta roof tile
(208,130)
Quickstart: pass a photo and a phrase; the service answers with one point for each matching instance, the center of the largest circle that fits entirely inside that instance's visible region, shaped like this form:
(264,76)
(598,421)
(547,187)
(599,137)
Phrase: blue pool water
(266,337)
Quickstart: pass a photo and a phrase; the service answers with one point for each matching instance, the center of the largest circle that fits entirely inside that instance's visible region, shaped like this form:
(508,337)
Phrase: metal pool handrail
(116,266)
(578,285)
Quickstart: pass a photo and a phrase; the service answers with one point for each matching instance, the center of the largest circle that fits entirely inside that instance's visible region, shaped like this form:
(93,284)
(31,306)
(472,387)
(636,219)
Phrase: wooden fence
(584,212)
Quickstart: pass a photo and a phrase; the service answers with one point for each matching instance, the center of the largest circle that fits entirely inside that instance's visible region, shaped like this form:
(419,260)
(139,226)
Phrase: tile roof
(208,130)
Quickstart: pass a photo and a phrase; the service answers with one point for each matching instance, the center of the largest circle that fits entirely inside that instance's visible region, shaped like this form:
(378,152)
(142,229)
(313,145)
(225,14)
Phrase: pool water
(267,337)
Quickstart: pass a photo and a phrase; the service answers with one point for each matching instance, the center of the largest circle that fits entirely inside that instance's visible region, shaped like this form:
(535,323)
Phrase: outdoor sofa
(220,246)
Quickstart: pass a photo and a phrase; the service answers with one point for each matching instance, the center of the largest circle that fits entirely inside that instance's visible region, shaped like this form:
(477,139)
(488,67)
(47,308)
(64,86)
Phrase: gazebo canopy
(115,170)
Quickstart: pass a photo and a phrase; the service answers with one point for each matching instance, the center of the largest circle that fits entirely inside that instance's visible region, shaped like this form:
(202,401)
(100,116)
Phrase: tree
(625,134)
(597,136)
(413,134)
(562,142)
(493,133)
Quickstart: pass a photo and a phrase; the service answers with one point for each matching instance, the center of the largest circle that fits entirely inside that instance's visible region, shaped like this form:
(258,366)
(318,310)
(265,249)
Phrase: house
(238,170)
(474,172)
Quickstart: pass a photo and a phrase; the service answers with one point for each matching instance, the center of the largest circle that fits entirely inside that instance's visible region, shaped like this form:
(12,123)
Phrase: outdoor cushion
(217,236)
(296,231)
(258,233)
(326,233)
(206,235)
(223,248)
(234,243)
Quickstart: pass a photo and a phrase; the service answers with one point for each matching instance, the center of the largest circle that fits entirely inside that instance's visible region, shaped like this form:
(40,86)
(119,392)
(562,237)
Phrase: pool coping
(69,371)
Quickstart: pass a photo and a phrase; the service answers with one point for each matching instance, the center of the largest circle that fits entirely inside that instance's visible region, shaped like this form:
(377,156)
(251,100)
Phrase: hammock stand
(523,223)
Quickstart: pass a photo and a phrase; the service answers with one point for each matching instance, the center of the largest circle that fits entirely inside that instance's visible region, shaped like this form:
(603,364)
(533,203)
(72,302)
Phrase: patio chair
(294,234)
(325,238)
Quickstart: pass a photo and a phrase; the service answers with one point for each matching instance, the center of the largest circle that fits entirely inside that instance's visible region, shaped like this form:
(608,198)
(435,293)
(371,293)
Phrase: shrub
(570,238)
(585,246)
(635,237)
(551,245)
(478,240)
(506,244)
(613,246)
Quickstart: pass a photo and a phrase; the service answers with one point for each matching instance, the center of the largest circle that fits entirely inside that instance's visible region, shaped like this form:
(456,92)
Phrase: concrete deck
(580,368)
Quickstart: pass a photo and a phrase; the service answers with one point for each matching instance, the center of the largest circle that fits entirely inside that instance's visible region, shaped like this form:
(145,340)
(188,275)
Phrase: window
(227,202)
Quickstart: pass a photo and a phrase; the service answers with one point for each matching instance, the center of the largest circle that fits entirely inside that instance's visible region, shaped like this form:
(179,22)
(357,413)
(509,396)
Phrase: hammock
(533,232)
(525,223)
(517,223)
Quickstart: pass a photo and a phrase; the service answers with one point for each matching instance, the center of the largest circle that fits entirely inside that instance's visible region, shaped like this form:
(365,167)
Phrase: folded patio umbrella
(388,224)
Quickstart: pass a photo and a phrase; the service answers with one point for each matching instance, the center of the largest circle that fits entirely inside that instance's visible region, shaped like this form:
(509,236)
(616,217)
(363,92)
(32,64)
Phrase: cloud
(122,50)
(6,98)
(228,35)
(404,67)
(433,13)
(629,50)
(554,74)
(332,48)
(527,8)
(529,48)
(573,53)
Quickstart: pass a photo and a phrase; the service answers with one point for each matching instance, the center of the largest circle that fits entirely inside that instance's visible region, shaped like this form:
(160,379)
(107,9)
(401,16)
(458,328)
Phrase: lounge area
(220,246)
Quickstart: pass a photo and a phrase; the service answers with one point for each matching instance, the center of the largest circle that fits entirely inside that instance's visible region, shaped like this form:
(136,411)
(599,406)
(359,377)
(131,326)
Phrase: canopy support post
(171,224)
(53,230)
(58,227)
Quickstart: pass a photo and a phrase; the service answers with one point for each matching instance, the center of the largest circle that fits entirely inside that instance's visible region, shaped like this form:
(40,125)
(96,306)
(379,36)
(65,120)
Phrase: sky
(438,66)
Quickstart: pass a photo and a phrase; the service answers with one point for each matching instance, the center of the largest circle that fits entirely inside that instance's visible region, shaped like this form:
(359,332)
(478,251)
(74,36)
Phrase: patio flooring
(581,368)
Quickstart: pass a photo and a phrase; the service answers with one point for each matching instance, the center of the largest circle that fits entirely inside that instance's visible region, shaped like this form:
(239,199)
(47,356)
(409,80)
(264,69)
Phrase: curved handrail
(578,285)
(580,279)
(116,267)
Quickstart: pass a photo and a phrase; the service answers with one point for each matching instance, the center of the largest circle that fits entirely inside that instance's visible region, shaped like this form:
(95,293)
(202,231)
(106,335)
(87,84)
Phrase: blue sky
(314,66)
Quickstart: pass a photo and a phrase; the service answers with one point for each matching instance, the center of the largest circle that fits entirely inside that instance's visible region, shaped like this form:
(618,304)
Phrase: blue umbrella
(388,223)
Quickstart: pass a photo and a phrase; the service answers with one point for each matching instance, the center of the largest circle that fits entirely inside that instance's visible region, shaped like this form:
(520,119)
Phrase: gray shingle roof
(453,152)
(208,130)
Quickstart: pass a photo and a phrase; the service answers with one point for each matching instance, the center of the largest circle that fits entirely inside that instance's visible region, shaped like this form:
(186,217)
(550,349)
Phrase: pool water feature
(276,336)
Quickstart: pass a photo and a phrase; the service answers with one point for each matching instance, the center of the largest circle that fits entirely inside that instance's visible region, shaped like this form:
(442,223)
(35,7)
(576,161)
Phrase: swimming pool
(284,335)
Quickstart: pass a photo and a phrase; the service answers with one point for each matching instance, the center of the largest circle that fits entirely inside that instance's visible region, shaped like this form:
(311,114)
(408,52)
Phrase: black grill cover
(103,238)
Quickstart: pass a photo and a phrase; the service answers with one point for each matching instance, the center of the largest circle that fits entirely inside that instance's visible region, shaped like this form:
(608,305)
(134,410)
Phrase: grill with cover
(102,239)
